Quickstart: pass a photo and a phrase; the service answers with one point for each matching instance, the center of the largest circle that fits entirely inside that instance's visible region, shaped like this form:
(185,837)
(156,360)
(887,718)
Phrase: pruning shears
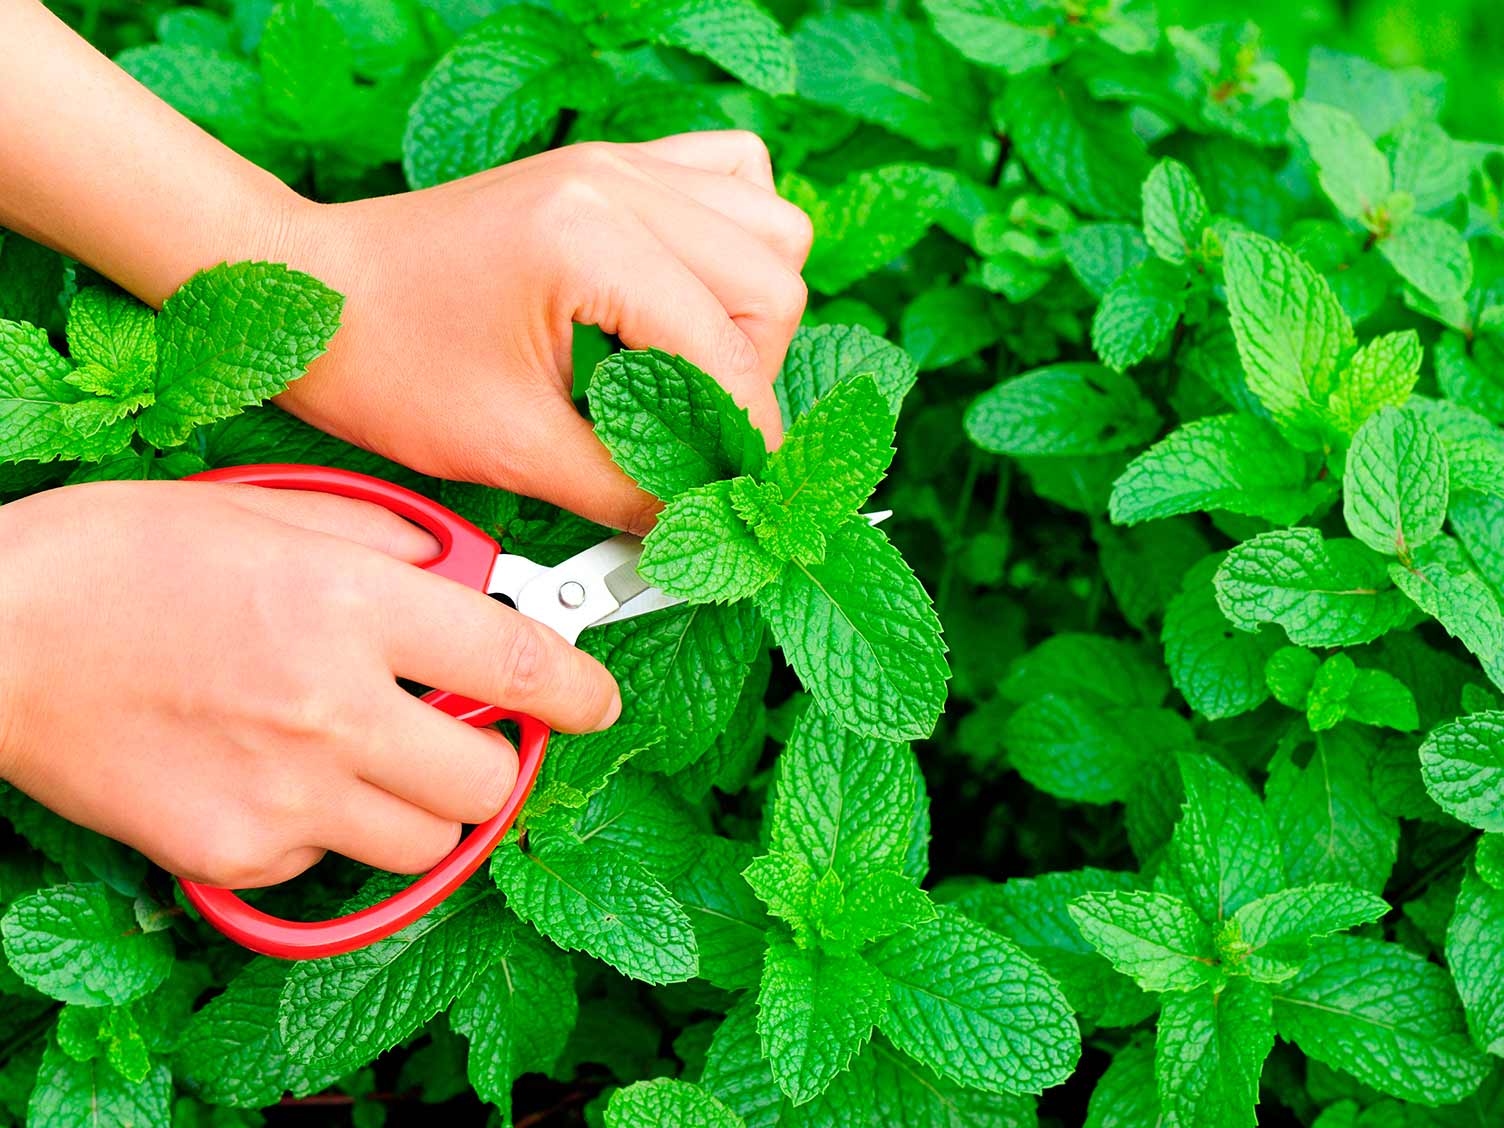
(598,585)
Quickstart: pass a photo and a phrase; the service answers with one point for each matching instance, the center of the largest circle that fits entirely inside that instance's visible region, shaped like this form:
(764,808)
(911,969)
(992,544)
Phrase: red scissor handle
(467,556)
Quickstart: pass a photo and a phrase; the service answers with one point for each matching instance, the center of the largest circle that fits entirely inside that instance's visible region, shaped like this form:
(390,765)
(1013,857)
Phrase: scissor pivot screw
(572,594)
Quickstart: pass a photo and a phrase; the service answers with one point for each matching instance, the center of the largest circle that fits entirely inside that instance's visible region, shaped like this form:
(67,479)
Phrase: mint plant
(1177,352)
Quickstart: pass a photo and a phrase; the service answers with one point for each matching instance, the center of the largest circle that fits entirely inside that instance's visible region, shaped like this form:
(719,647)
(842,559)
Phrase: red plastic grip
(466,555)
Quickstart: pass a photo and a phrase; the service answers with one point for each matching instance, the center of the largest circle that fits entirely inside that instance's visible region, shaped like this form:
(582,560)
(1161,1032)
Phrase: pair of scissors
(599,585)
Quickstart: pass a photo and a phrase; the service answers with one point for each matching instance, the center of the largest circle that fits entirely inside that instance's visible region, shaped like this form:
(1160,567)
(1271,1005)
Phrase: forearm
(96,166)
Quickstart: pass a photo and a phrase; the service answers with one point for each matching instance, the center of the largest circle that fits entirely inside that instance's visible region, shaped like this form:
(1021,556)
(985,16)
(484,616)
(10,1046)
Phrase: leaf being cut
(701,549)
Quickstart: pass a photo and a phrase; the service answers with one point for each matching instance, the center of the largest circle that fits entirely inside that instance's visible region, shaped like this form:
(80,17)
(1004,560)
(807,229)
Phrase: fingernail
(612,713)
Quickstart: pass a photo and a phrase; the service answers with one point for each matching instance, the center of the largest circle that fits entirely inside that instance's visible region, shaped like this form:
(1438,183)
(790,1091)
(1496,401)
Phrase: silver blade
(594,587)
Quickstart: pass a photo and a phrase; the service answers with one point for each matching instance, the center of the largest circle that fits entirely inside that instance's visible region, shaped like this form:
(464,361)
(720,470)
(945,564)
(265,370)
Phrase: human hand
(207,673)
(454,353)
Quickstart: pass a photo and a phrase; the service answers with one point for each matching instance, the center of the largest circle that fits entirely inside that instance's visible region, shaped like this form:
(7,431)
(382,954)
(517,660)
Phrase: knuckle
(428,849)
(798,231)
(489,792)
(788,299)
(739,353)
(523,661)
(753,149)
(233,864)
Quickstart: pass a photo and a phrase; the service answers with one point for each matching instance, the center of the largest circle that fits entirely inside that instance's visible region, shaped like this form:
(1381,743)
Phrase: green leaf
(999,33)
(1445,587)
(1223,853)
(1462,763)
(341,1011)
(948,324)
(42,415)
(70,1093)
(1384,1015)
(847,803)
(681,670)
(1210,1051)
(1138,313)
(1323,592)
(597,899)
(580,764)
(494,90)
(702,551)
(308,70)
(974,1008)
(1353,173)
(1034,913)
(667,1103)
(1101,253)
(869,219)
(739,36)
(231,1050)
(231,337)
(669,425)
(208,85)
(1432,256)
(1394,489)
(1381,374)
(836,453)
(1327,816)
(1290,330)
(730,926)
(889,71)
(1156,939)
(814,1011)
(1475,955)
(1175,212)
(1125,1095)
(1217,669)
(1079,150)
(1273,934)
(111,330)
(787,531)
(1109,670)
(862,635)
(822,356)
(1236,463)
(517,1014)
(80,943)
(1064,409)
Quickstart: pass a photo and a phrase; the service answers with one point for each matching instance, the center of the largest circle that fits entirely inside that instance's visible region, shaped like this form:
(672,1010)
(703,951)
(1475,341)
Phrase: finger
(731,152)
(375,827)
(761,213)
(646,293)
(762,294)
(457,639)
(440,764)
(363,522)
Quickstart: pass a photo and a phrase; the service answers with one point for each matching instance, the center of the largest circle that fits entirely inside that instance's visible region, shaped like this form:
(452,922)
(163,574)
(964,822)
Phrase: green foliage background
(1196,332)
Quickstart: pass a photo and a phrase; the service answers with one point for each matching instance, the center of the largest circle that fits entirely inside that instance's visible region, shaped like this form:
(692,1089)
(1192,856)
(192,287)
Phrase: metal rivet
(571,594)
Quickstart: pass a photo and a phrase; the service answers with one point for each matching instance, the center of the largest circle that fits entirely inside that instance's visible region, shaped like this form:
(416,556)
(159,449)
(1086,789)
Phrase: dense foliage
(1193,345)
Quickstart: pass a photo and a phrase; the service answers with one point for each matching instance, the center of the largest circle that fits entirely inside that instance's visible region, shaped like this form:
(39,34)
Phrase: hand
(454,353)
(207,673)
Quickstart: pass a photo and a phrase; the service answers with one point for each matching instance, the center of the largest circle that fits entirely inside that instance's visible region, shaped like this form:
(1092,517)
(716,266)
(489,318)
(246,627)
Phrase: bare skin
(207,672)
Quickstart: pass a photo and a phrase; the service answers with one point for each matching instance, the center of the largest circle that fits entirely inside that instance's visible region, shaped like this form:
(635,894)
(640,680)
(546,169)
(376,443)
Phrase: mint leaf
(1223,853)
(889,71)
(814,1010)
(669,425)
(1323,592)
(702,550)
(1445,587)
(69,1093)
(861,634)
(1210,1051)
(308,70)
(340,1012)
(1381,374)
(517,1014)
(1273,934)
(1137,313)
(822,356)
(80,943)
(231,337)
(595,898)
(1175,212)
(668,1103)
(996,33)
(1385,1016)
(1353,173)
(1064,409)
(1432,256)
(580,764)
(42,415)
(974,1008)
(739,36)
(1394,490)
(1290,330)
(1475,956)
(496,89)
(1156,939)
(1125,1094)
(1236,463)
(111,331)
(730,926)
(835,454)
(1218,670)
(1462,763)
(787,531)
